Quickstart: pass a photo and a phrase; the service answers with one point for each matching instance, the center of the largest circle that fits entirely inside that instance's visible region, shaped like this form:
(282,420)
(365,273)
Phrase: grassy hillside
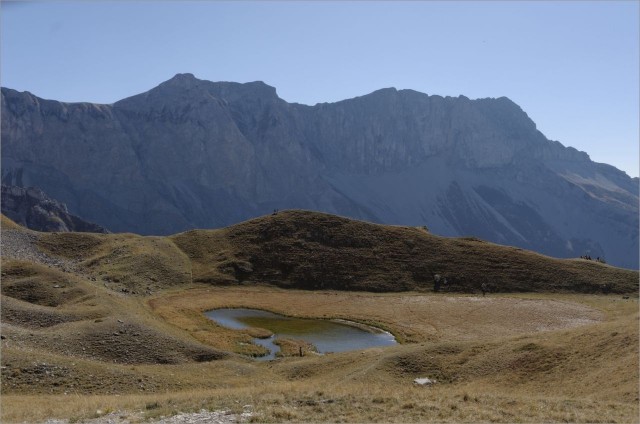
(310,250)
(579,374)
(60,313)
(127,262)
(9,224)
(101,316)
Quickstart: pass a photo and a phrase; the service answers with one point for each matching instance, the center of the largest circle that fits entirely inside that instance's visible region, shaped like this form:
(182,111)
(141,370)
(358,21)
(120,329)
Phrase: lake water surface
(326,335)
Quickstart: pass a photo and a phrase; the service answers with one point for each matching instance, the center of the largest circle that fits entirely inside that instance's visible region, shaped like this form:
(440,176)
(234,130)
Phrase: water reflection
(327,336)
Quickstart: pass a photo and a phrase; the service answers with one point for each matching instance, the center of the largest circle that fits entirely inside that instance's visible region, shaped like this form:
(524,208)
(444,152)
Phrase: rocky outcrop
(198,154)
(32,208)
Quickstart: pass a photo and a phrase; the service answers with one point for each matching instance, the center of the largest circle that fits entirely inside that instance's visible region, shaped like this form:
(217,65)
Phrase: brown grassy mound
(77,246)
(118,341)
(309,250)
(50,373)
(27,315)
(47,310)
(123,262)
(39,285)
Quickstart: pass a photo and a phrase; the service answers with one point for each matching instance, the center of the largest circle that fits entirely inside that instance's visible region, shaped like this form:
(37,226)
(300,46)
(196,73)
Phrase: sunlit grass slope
(114,322)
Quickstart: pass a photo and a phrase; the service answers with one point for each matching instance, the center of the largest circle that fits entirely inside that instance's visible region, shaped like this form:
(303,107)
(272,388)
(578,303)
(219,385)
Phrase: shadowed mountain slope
(32,208)
(198,154)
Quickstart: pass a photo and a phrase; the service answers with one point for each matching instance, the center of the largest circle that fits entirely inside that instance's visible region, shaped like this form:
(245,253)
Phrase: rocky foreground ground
(21,245)
(202,417)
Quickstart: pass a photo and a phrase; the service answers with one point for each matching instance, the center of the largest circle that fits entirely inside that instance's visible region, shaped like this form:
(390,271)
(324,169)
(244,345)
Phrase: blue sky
(572,66)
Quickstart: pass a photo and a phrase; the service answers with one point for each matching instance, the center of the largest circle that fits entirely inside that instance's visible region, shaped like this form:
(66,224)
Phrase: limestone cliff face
(32,208)
(193,153)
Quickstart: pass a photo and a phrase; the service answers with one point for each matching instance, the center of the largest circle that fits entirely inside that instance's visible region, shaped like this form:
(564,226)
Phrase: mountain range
(198,154)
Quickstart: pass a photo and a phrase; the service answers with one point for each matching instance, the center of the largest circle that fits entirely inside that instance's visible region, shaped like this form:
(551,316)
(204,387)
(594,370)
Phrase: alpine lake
(326,335)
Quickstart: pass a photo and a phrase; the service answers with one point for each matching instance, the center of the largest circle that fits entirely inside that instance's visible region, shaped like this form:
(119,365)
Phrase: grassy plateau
(95,323)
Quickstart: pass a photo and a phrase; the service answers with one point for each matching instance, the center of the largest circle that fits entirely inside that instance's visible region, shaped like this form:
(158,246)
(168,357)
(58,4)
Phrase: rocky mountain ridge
(198,154)
(32,208)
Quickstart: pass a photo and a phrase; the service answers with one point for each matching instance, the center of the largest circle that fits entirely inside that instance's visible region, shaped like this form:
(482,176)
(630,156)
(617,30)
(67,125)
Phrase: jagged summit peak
(259,89)
(182,80)
(383,92)
(187,81)
(386,90)
(184,76)
(186,88)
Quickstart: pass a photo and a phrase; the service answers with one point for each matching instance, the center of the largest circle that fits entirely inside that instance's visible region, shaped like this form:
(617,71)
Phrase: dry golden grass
(527,357)
(297,401)
(411,317)
(570,372)
(580,374)
(48,311)
(9,224)
(123,262)
(294,347)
